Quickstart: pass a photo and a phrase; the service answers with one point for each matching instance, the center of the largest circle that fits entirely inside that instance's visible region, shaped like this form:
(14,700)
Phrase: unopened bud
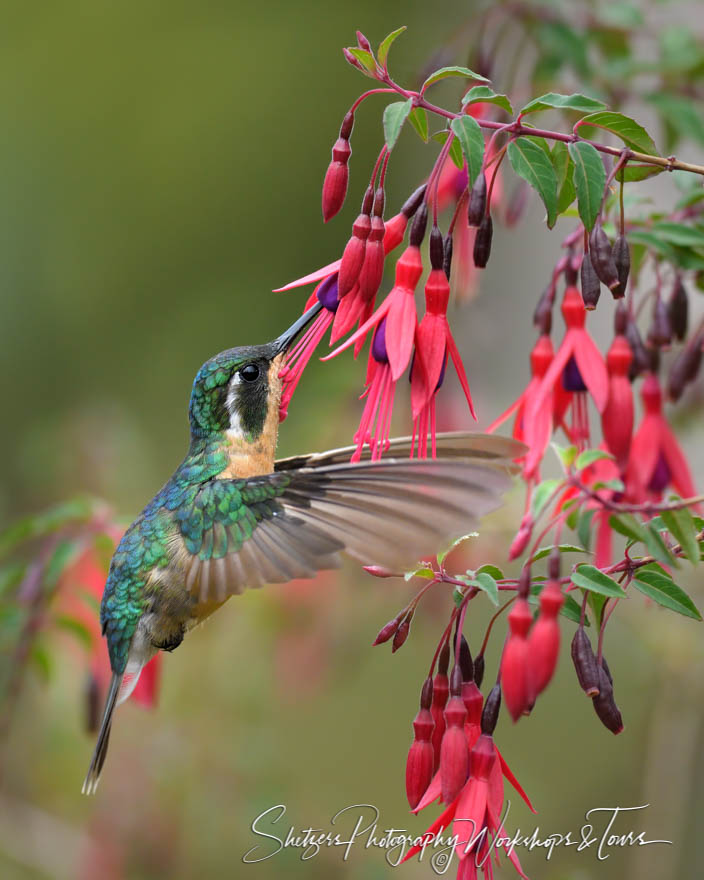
(589,280)
(641,358)
(603,258)
(542,316)
(437,248)
(350,59)
(402,632)
(678,310)
(353,255)
(454,753)
(476,207)
(417,233)
(584,661)
(363,42)
(660,332)
(378,572)
(466,664)
(490,714)
(479,670)
(554,564)
(414,201)
(447,257)
(622,261)
(684,368)
(516,668)
(385,633)
(482,242)
(605,705)
(620,319)
(519,543)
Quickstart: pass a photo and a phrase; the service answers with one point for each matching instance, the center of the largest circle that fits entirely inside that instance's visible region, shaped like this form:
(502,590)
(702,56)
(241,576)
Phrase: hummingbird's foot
(172,642)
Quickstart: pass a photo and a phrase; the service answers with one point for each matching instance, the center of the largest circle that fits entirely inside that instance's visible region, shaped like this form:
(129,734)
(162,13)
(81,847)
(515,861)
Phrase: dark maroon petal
(571,377)
(661,476)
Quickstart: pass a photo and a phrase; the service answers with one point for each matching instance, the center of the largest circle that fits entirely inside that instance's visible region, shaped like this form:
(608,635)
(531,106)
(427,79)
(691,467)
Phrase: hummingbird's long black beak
(287,337)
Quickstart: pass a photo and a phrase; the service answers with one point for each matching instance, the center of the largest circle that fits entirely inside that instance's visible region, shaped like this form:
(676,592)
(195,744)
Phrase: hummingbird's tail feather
(90,783)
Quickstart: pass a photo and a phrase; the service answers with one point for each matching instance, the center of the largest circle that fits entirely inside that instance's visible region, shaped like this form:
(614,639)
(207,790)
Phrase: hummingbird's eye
(250,372)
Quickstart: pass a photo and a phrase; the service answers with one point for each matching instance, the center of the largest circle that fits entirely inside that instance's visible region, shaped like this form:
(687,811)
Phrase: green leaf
(613,485)
(471,139)
(456,543)
(77,629)
(566,454)
(665,592)
(584,528)
(383,50)
(486,583)
(42,662)
(658,548)
(561,162)
(366,59)
(628,130)
(455,149)
(419,120)
(589,180)
(628,526)
(41,524)
(60,558)
(563,548)
(680,524)
(679,233)
(589,456)
(485,95)
(590,578)
(578,102)
(541,494)
(493,570)
(394,116)
(534,166)
(445,72)
(681,113)
(422,572)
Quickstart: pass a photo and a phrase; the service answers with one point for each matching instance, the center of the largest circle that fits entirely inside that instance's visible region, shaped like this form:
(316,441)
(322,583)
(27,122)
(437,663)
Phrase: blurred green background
(161,168)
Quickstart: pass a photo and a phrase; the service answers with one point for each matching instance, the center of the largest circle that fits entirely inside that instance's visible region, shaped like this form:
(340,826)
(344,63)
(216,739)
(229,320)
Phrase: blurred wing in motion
(388,513)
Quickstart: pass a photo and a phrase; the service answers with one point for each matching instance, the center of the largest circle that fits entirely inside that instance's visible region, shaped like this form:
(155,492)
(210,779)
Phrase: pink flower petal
(592,367)
(318,275)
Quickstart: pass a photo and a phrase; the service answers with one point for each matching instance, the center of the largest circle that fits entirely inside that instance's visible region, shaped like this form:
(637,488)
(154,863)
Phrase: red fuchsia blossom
(353,255)
(433,344)
(577,367)
(454,755)
(517,684)
(337,175)
(441,691)
(298,356)
(656,459)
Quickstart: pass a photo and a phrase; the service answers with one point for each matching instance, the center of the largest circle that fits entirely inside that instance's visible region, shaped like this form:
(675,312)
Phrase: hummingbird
(231,516)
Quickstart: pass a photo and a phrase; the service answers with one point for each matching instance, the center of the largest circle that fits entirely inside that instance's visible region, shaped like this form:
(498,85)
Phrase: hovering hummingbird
(232,517)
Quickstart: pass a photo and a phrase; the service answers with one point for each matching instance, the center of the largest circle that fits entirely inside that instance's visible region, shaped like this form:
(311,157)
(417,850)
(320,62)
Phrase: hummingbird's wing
(454,444)
(292,523)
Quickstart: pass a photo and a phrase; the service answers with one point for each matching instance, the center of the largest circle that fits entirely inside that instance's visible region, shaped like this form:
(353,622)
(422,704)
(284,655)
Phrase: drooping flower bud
(337,175)
(584,661)
(476,207)
(447,256)
(622,261)
(660,332)
(641,358)
(544,639)
(385,633)
(678,310)
(402,632)
(684,368)
(441,691)
(516,668)
(589,280)
(372,270)
(419,764)
(353,255)
(479,670)
(420,221)
(454,754)
(542,315)
(617,418)
(519,543)
(490,714)
(604,703)
(603,258)
(465,660)
(482,242)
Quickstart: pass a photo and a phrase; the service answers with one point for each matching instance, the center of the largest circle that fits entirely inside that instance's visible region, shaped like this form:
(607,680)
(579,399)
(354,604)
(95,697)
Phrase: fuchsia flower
(577,367)
(434,342)
(476,808)
(656,460)
(617,417)
(517,677)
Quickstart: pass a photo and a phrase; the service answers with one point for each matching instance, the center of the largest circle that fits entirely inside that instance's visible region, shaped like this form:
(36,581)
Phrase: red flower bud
(544,639)
(419,765)
(373,266)
(617,418)
(605,705)
(516,671)
(353,255)
(336,179)
(454,754)
(441,690)
(482,242)
(394,230)
(385,633)
(473,702)
(518,545)
(401,633)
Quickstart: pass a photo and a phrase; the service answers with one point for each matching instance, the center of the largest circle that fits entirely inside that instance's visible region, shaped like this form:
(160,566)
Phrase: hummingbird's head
(238,391)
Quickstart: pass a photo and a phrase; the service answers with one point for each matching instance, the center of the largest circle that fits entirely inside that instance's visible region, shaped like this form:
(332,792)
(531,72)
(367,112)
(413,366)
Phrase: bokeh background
(161,168)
